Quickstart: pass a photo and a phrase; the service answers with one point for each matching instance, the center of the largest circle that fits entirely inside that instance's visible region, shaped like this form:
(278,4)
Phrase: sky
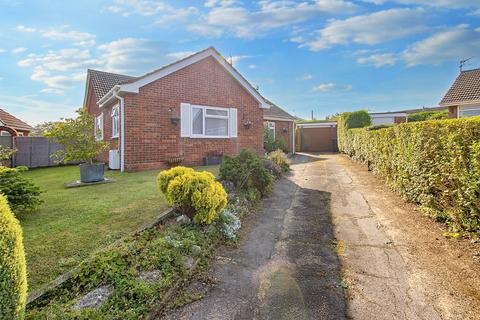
(325,56)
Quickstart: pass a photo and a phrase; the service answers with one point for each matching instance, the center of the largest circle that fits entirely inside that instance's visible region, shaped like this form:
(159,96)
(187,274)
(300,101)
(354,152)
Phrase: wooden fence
(33,152)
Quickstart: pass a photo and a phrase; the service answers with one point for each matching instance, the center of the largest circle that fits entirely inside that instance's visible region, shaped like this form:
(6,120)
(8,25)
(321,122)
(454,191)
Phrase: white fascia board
(317,125)
(388,115)
(87,86)
(134,87)
(278,119)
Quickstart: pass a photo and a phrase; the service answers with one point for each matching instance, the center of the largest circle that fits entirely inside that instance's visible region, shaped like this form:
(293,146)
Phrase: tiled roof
(465,88)
(277,112)
(10,121)
(102,81)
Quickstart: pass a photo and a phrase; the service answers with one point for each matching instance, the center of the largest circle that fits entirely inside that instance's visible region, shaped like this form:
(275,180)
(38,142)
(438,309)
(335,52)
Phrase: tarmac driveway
(332,242)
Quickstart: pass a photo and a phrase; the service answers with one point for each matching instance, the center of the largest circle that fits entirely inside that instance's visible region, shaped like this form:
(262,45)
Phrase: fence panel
(34,152)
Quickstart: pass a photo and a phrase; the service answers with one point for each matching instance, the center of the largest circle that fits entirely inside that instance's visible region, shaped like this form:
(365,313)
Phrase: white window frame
(97,126)
(204,116)
(271,126)
(115,121)
(461,109)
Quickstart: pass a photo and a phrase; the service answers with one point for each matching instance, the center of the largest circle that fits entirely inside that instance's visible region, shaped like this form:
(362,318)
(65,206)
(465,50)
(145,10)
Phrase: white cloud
(61,60)
(57,92)
(83,39)
(2,50)
(205,30)
(19,50)
(220,3)
(379,60)
(132,56)
(252,66)
(271,14)
(34,110)
(179,55)
(166,12)
(22,28)
(234,60)
(326,87)
(450,45)
(305,77)
(369,29)
(451,4)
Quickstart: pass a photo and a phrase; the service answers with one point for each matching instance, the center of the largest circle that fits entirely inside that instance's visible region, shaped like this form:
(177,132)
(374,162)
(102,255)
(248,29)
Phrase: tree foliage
(427,115)
(77,138)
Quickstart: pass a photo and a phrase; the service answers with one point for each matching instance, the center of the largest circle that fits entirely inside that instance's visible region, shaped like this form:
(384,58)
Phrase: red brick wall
(93,109)
(280,134)
(452,112)
(151,138)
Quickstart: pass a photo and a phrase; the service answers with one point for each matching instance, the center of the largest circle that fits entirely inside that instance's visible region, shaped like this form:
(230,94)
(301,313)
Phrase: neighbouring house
(11,125)
(463,97)
(180,113)
(282,124)
(388,117)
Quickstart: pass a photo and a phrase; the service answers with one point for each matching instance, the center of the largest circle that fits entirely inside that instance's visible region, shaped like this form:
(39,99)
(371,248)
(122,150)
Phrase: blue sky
(323,55)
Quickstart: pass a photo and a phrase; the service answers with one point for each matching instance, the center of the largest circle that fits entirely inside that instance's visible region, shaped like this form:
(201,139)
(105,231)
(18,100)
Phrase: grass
(73,223)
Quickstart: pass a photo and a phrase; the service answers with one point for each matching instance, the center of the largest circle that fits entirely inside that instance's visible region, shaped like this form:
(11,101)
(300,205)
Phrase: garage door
(322,139)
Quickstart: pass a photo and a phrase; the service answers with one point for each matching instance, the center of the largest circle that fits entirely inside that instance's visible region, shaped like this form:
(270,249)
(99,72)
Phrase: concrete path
(330,212)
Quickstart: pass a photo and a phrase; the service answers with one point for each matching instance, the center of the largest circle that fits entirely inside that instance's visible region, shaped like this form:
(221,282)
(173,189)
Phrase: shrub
(280,158)
(271,144)
(272,167)
(164,177)
(13,275)
(21,193)
(356,119)
(246,171)
(76,137)
(427,115)
(195,194)
(433,163)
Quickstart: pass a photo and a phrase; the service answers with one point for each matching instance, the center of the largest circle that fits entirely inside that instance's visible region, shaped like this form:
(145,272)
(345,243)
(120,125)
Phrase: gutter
(122,130)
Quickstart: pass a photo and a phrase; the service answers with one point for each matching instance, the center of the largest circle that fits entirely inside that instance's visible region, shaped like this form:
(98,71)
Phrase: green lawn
(72,223)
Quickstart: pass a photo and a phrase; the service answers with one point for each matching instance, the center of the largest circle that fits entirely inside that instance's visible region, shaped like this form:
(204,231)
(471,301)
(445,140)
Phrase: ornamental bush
(427,115)
(13,273)
(433,163)
(195,194)
(21,193)
(280,158)
(246,172)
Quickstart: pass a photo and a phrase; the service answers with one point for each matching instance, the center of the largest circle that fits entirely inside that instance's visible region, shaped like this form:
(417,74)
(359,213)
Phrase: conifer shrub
(13,273)
(22,194)
(196,194)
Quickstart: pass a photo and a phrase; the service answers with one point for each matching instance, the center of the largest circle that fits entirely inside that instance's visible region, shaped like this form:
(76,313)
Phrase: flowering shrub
(230,224)
(195,194)
(280,158)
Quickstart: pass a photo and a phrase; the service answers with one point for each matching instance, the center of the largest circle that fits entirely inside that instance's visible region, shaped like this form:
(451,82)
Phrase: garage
(317,137)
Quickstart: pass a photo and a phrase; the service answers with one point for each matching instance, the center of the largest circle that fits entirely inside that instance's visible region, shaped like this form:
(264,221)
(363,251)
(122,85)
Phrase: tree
(427,115)
(356,119)
(77,138)
(42,128)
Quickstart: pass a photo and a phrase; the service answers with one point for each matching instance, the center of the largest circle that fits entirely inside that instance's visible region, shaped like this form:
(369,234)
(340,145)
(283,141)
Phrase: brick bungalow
(11,125)
(463,97)
(179,113)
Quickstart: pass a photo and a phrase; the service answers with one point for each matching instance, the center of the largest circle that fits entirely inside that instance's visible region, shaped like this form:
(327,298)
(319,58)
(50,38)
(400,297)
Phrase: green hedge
(13,273)
(433,163)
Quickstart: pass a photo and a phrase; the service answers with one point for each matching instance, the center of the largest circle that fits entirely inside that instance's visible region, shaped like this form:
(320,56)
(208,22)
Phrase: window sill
(115,137)
(210,137)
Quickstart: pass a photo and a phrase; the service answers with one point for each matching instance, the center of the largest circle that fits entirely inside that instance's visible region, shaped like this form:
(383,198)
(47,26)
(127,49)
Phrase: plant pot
(92,172)
(212,160)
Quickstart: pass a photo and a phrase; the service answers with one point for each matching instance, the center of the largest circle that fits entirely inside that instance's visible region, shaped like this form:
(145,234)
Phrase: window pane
(216,127)
(214,112)
(197,119)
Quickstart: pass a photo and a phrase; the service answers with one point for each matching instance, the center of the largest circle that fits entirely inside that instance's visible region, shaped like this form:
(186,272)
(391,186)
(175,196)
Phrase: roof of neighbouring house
(11,121)
(103,81)
(277,113)
(465,88)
